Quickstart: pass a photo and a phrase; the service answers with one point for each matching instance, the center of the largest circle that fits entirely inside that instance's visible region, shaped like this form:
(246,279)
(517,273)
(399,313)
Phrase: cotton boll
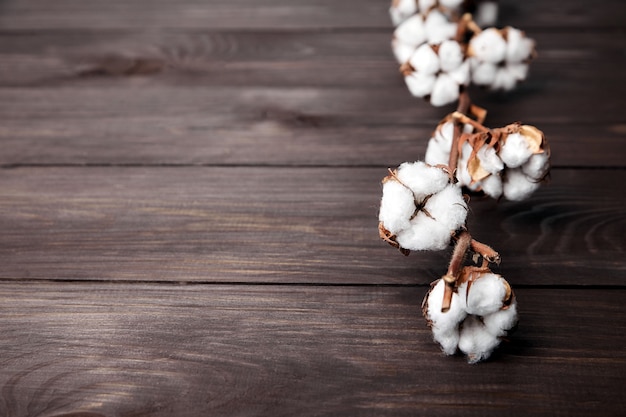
(537,166)
(396,207)
(475,341)
(500,322)
(518,71)
(438,149)
(519,47)
(489,160)
(419,84)
(517,186)
(448,208)
(492,186)
(445,91)
(450,55)
(483,73)
(412,31)
(505,80)
(485,295)
(401,10)
(515,151)
(407,37)
(461,75)
(425,60)
(431,226)
(486,13)
(489,46)
(402,51)
(436,153)
(425,233)
(444,325)
(438,27)
(445,134)
(422,178)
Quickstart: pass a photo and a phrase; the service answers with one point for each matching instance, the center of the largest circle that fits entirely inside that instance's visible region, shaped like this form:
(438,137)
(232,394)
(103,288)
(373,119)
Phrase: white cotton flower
(492,186)
(400,10)
(402,51)
(537,166)
(445,326)
(500,57)
(461,74)
(486,295)
(425,217)
(446,64)
(517,186)
(439,28)
(505,80)
(500,322)
(407,37)
(450,207)
(425,60)
(519,47)
(397,207)
(422,179)
(476,341)
(420,85)
(445,91)
(438,149)
(480,314)
(483,73)
(489,159)
(450,55)
(516,150)
(489,46)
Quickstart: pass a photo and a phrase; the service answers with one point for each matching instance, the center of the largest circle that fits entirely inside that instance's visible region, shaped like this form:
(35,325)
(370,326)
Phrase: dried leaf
(534,138)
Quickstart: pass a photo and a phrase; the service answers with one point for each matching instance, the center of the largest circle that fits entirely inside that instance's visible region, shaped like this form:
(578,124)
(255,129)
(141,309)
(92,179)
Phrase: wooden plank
(260,58)
(283,139)
(277,14)
(132,125)
(158,350)
(286,225)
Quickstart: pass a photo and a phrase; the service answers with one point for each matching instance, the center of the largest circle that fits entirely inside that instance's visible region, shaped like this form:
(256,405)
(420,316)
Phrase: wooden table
(188,214)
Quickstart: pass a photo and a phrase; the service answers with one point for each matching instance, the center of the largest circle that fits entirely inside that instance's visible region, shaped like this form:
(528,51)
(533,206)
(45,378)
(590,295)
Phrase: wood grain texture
(314,225)
(128,125)
(160,350)
(278,14)
(188,207)
(265,98)
(358,58)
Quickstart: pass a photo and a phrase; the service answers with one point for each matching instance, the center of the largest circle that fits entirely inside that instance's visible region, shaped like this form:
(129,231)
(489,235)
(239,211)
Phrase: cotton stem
(463,243)
(462,108)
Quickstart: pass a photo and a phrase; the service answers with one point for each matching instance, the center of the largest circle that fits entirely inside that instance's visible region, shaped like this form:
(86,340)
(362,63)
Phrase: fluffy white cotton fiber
(421,208)
(477,318)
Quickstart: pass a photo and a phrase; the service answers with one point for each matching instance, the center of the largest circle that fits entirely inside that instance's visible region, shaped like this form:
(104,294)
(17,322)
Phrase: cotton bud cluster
(510,161)
(437,72)
(431,28)
(500,57)
(420,208)
(482,311)
(441,49)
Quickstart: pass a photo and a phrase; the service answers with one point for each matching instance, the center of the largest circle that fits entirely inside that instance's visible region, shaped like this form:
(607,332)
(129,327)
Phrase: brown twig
(463,107)
(463,242)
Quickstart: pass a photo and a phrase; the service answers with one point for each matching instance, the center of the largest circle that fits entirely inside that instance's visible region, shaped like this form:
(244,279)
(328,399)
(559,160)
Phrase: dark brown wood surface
(188,210)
